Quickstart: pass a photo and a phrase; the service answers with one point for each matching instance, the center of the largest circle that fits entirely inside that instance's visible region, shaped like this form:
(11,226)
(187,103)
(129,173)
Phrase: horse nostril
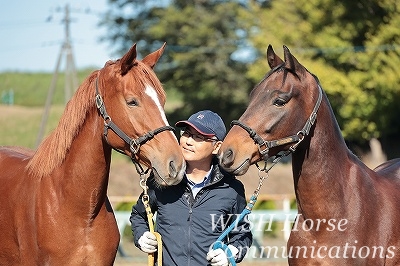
(227,158)
(172,169)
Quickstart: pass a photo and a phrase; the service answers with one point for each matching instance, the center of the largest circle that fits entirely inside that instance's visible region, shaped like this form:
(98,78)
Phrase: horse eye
(280,102)
(132,102)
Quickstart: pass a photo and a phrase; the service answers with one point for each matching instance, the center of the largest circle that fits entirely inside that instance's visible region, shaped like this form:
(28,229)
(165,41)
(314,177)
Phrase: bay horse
(348,214)
(54,205)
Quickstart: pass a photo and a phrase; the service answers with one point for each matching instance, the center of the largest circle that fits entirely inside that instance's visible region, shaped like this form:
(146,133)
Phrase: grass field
(20,125)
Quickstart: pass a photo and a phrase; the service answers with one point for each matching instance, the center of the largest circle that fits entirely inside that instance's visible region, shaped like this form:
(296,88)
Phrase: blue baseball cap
(206,123)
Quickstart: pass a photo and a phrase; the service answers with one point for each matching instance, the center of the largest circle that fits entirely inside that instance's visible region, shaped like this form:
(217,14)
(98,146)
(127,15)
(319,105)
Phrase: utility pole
(71,80)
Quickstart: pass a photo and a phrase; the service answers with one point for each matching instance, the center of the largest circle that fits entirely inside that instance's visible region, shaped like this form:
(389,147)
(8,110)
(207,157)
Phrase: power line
(352,49)
(21,23)
(71,80)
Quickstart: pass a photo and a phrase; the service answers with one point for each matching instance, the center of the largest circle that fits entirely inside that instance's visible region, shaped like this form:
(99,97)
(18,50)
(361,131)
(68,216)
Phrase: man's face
(196,147)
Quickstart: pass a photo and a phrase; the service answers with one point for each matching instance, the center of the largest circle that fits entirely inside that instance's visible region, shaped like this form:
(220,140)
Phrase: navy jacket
(189,226)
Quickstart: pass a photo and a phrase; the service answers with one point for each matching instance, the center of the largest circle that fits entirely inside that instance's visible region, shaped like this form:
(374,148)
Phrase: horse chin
(242,169)
(166,181)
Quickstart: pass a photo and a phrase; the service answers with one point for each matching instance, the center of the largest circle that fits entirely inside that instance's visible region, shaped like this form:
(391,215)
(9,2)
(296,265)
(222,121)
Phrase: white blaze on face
(153,95)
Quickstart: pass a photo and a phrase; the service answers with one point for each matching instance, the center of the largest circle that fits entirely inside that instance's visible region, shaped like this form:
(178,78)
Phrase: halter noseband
(265,145)
(134,144)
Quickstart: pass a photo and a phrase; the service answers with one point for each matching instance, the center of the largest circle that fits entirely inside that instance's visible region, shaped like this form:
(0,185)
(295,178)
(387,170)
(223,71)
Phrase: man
(193,214)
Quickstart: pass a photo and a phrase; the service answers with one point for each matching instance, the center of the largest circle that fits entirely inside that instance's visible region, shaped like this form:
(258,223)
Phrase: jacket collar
(217,174)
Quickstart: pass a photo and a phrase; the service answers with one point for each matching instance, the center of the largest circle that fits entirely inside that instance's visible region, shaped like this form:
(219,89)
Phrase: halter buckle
(301,136)
(99,101)
(263,149)
(134,146)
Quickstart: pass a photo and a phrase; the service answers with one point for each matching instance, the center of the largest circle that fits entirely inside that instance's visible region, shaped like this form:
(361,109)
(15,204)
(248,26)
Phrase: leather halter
(265,145)
(134,144)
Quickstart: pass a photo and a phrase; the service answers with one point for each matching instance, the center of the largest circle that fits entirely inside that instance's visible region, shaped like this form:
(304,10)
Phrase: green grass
(31,89)
(21,124)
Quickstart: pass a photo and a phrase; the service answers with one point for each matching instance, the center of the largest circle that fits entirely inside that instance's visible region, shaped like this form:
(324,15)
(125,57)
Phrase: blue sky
(30,43)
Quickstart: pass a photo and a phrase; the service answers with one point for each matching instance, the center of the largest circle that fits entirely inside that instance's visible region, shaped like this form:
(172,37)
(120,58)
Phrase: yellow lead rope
(145,200)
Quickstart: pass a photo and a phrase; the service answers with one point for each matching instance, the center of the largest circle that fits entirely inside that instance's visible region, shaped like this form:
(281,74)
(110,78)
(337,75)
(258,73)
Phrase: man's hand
(148,242)
(218,257)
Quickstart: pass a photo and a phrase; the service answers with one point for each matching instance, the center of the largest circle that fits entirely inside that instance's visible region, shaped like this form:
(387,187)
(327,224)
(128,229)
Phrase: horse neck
(317,166)
(86,167)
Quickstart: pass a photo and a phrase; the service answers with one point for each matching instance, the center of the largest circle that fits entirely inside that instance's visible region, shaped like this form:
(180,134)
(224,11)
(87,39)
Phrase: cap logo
(200,116)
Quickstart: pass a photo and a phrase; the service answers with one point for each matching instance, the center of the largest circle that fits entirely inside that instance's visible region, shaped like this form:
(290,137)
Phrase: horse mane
(143,75)
(52,151)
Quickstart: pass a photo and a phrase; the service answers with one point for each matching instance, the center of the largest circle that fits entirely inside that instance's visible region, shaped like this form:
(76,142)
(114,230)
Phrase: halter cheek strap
(134,144)
(264,145)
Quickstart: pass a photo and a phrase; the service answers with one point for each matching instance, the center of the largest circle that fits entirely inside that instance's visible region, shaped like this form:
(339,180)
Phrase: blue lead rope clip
(220,244)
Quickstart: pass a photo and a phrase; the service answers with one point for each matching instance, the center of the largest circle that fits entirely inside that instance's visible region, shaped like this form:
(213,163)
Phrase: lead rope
(249,207)
(145,200)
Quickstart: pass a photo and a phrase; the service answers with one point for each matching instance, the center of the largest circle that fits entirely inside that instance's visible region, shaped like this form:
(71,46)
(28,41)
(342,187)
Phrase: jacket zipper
(191,201)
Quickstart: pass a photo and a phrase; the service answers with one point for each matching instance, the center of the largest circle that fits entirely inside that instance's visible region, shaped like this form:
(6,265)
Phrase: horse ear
(273,59)
(152,58)
(128,60)
(292,63)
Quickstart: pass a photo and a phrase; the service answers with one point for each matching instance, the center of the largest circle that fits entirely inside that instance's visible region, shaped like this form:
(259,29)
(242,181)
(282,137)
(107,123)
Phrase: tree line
(216,53)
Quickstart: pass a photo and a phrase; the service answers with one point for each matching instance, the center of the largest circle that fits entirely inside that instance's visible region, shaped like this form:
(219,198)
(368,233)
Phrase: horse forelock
(143,75)
(285,71)
(266,76)
(53,149)
(146,77)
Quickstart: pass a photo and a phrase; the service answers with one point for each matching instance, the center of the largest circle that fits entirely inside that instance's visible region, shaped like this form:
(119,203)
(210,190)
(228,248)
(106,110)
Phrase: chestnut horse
(348,214)
(54,205)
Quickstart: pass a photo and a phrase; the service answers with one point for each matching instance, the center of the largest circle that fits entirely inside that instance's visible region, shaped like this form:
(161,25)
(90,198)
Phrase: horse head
(131,100)
(280,114)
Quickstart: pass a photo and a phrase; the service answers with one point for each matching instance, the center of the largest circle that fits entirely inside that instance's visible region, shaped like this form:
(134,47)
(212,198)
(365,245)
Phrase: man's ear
(216,147)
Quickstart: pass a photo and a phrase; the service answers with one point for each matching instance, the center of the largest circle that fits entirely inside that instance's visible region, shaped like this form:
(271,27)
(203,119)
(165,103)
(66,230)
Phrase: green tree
(202,38)
(377,70)
(351,46)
